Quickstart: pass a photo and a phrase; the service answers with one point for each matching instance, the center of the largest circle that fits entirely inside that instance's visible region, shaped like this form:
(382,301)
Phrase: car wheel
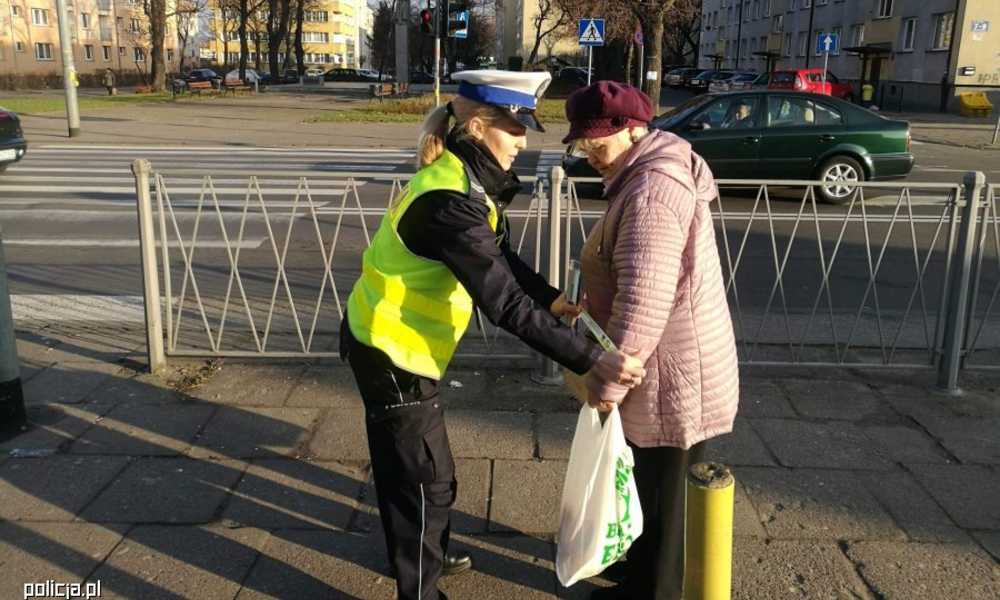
(839,175)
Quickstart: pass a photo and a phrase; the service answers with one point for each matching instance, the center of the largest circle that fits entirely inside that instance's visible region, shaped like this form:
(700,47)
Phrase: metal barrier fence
(899,277)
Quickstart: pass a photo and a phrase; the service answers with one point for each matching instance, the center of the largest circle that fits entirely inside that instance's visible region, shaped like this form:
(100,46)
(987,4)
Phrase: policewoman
(442,248)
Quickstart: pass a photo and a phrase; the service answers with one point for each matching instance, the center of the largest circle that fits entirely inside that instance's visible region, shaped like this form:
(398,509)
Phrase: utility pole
(809,41)
(69,70)
(739,35)
(402,41)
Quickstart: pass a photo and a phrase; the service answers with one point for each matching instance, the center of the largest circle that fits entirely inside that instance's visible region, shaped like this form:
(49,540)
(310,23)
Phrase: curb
(955,144)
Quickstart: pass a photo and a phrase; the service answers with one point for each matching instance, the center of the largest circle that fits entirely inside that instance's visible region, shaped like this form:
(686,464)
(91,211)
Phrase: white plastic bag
(600,514)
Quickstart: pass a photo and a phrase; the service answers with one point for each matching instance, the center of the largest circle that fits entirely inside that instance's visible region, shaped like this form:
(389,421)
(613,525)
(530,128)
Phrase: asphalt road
(69,223)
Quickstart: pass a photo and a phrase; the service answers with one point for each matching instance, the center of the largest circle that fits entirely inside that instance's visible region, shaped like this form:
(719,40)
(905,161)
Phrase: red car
(811,80)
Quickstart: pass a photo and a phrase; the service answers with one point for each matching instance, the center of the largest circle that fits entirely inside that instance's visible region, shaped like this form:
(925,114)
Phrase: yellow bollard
(708,544)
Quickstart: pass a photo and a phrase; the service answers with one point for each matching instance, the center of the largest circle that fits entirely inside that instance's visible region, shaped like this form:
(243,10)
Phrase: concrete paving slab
(741,447)
(834,445)
(54,425)
(971,439)
(504,567)
(482,434)
(341,435)
(54,488)
(848,400)
(141,389)
(913,508)
(526,495)
(906,444)
(967,493)
(257,385)
(515,391)
(172,562)
(320,564)
(166,490)
(63,552)
(895,570)
(289,494)
(68,383)
(746,521)
(816,504)
(326,386)
(470,514)
(764,399)
(555,434)
(990,540)
(793,569)
(137,430)
(248,432)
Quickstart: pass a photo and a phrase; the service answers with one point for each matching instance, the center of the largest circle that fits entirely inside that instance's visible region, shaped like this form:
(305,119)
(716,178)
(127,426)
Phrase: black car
(573,75)
(350,75)
(12,143)
(290,76)
(203,75)
(700,82)
(778,134)
(421,77)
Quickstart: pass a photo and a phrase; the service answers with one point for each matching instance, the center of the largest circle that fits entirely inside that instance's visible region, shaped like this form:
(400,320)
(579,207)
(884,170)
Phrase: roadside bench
(197,87)
(236,86)
(974,104)
(388,90)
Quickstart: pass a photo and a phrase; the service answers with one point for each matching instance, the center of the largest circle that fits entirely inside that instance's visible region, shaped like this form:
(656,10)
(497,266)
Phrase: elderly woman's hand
(620,368)
(601,405)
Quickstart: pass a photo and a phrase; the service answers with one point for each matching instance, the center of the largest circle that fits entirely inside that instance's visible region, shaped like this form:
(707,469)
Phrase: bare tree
(382,38)
(187,13)
(278,17)
(551,18)
(682,26)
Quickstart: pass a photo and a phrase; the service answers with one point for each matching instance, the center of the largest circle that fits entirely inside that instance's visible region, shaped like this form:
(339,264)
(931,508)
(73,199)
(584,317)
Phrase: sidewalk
(950,129)
(228,480)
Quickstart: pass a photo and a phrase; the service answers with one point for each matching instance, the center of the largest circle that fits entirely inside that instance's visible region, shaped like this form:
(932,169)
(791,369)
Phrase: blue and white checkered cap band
(497,96)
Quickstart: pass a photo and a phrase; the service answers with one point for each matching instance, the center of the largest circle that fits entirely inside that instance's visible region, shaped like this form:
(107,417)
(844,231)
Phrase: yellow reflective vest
(413,308)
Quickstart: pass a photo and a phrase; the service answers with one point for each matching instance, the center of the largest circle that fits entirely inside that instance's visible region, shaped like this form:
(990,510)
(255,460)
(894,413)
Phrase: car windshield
(746,77)
(681,110)
(786,77)
(722,75)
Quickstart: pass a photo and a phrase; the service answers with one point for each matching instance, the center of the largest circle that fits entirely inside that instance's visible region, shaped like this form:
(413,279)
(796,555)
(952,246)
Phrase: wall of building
(978,49)
(519,34)
(101,37)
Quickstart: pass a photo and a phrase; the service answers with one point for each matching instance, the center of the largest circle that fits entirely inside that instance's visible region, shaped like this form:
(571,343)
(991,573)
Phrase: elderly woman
(652,279)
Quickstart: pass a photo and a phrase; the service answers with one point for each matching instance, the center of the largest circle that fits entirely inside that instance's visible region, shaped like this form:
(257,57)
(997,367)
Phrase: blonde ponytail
(433,133)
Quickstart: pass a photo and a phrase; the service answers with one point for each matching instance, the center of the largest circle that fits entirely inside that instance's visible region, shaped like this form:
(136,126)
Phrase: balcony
(882,31)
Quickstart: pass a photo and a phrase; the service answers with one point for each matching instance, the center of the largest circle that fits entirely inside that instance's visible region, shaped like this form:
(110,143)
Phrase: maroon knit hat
(605,108)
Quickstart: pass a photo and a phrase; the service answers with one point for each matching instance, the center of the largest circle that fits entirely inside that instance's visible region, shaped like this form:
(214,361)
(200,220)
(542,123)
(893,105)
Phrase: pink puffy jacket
(653,280)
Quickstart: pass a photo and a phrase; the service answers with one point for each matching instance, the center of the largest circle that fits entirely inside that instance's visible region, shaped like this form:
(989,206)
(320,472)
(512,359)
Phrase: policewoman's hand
(619,368)
(561,307)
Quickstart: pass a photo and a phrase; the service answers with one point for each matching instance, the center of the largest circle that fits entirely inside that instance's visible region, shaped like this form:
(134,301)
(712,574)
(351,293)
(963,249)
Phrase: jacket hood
(670,155)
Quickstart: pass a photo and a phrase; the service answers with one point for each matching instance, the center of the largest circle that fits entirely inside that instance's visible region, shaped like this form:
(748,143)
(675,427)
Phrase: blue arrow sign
(591,32)
(828,43)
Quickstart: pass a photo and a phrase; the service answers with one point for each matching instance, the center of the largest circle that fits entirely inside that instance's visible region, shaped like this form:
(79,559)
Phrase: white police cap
(513,91)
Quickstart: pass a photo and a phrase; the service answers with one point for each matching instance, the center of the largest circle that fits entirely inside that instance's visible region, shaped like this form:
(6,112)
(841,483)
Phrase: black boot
(455,564)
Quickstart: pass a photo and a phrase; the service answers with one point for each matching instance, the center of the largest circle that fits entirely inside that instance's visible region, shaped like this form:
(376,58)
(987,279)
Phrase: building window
(43,51)
(942,31)
(909,33)
(884,9)
(858,34)
(15,10)
(134,26)
(778,24)
(787,48)
(18,46)
(792,5)
(839,32)
(806,3)
(317,16)
(39,16)
(822,2)
(121,50)
(316,37)
(85,20)
(106,53)
(170,55)
(139,55)
(767,7)
(88,52)
(803,43)
(232,58)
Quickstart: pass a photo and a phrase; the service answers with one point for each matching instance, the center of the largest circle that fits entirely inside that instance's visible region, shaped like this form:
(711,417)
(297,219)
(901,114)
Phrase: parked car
(681,77)
(290,76)
(811,80)
(701,81)
(368,74)
(761,81)
(349,75)
(734,82)
(251,77)
(204,75)
(421,77)
(574,75)
(13,146)
(773,134)
(314,72)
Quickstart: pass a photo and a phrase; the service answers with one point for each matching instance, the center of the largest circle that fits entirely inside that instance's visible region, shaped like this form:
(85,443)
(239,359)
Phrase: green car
(772,134)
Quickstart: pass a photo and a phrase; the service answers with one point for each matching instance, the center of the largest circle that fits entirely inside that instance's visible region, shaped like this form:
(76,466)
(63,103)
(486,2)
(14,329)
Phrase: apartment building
(917,53)
(105,33)
(334,35)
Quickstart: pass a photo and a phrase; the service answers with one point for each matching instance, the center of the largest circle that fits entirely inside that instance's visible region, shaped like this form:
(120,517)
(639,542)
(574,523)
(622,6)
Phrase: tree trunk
(277,31)
(652,31)
(300,53)
(157,25)
(244,46)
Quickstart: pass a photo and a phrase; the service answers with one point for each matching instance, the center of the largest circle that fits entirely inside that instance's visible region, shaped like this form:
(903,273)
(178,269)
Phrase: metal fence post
(959,286)
(13,416)
(550,373)
(150,274)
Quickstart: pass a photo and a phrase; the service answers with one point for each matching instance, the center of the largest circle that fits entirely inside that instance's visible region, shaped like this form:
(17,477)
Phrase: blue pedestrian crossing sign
(463,33)
(828,43)
(591,32)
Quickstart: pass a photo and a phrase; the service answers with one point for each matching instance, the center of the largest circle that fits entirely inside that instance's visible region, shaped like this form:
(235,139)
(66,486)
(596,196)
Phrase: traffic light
(456,19)
(427,21)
